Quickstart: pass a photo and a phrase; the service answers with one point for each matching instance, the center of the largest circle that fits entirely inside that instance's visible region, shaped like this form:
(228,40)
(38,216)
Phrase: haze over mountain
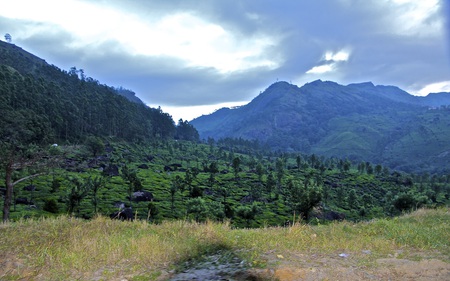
(362,122)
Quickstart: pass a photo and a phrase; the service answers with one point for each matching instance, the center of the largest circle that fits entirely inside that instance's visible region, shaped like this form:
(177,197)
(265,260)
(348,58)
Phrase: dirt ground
(389,269)
(344,267)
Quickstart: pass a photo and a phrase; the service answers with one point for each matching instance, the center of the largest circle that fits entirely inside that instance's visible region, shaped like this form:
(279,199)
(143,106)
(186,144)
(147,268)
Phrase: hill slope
(363,122)
(41,103)
(26,63)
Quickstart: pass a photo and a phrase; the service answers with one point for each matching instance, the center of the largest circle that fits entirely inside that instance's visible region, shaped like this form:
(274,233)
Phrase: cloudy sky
(193,56)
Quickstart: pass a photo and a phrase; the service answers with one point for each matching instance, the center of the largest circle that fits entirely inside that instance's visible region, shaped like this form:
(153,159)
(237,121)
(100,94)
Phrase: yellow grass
(65,248)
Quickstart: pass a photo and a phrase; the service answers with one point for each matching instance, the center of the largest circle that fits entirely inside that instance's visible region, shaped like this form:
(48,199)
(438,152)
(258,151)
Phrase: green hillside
(70,145)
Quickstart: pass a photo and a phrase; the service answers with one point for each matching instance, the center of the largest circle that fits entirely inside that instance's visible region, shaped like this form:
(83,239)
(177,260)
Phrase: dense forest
(70,145)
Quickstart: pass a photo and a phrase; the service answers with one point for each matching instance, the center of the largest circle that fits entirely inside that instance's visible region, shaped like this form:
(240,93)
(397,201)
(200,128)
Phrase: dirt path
(317,267)
(385,269)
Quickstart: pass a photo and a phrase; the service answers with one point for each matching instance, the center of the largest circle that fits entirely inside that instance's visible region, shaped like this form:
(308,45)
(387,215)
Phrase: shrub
(50,205)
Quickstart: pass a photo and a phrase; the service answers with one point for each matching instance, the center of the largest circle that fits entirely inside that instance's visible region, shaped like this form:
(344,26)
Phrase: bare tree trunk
(10,188)
(9,191)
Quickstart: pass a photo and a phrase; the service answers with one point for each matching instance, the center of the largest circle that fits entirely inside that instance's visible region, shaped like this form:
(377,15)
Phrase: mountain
(361,122)
(27,63)
(41,103)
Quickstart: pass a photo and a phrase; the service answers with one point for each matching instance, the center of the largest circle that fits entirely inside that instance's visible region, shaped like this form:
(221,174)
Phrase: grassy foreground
(65,248)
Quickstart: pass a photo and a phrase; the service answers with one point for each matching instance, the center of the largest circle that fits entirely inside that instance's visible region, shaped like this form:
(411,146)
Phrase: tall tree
(21,135)
(13,158)
(236,166)
(134,182)
(96,184)
(78,191)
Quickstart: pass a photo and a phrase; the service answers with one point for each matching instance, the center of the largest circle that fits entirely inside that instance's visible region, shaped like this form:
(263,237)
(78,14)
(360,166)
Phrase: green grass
(65,248)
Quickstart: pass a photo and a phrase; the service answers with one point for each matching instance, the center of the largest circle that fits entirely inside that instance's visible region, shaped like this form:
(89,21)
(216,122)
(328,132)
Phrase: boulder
(142,196)
(124,214)
(329,216)
(119,205)
(168,169)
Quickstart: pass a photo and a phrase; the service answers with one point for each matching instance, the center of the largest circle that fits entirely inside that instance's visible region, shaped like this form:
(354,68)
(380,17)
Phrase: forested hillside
(360,122)
(51,105)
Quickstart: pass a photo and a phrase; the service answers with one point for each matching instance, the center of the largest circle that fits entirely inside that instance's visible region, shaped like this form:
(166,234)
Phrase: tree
(96,184)
(152,211)
(260,172)
(95,145)
(378,169)
(270,183)
(198,208)
(248,213)
(185,131)
(299,162)
(19,157)
(404,202)
(134,182)
(22,138)
(236,166)
(279,168)
(302,199)
(78,191)
(8,37)
(177,184)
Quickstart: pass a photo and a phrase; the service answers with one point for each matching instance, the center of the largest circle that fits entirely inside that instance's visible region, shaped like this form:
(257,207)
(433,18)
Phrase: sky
(192,57)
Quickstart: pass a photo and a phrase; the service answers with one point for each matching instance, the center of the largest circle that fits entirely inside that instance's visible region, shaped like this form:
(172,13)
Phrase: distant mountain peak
(362,84)
(357,121)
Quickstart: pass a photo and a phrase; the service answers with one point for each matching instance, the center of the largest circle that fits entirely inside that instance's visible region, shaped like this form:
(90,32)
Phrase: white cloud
(342,55)
(415,17)
(332,60)
(443,86)
(181,35)
(321,69)
(190,112)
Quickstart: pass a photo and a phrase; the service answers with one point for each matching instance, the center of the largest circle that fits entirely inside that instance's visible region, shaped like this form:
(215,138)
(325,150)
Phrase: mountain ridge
(27,63)
(354,121)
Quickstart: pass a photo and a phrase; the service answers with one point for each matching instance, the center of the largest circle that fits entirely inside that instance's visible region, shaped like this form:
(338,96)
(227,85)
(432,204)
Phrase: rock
(119,205)
(142,196)
(168,169)
(125,214)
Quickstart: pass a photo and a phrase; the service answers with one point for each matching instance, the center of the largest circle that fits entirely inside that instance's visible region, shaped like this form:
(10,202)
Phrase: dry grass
(65,248)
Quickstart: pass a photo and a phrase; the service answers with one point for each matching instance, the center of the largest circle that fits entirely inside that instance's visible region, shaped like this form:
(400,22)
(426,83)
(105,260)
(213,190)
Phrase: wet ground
(220,266)
(226,267)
